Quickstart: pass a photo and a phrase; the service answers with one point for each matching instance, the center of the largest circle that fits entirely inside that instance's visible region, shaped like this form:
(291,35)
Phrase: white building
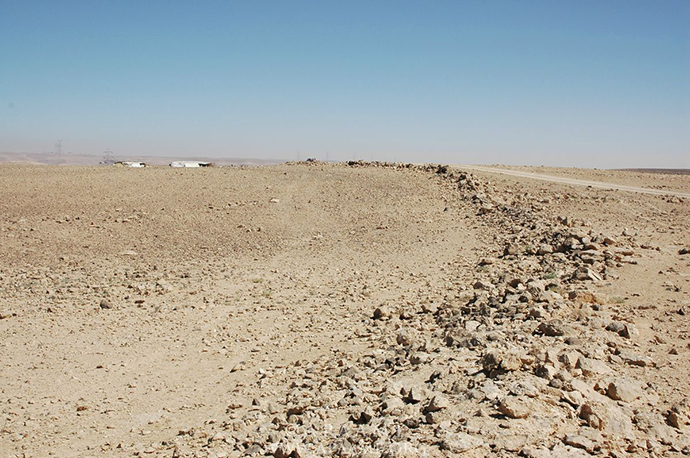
(187,164)
(131,164)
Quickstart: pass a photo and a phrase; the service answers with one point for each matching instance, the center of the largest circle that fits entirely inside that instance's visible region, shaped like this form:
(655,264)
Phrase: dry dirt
(675,180)
(340,310)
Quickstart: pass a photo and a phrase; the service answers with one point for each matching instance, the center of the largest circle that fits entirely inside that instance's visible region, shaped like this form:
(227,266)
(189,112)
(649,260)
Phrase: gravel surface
(359,310)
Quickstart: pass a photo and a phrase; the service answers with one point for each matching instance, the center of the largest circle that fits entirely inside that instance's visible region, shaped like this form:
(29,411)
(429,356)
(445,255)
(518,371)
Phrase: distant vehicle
(311,159)
(192,164)
(131,164)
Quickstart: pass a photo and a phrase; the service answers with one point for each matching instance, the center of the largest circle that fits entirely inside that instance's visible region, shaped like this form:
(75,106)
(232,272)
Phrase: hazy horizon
(585,84)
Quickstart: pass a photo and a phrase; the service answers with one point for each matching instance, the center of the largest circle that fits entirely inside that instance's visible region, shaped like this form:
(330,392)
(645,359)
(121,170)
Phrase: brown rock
(381,313)
(673,419)
(288,450)
(404,338)
(553,328)
(438,402)
(511,250)
(416,395)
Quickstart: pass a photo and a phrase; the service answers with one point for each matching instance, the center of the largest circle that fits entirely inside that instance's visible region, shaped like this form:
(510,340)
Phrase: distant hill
(86,159)
(666,171)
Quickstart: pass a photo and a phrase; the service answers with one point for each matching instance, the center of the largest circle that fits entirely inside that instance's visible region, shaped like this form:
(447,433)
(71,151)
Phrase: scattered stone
(592,367)
(460,443)
(416,395)
(547,371)
(472,325)
(569,359)
(381,313)
(578,441)
(574,398)
(405,338)
(514,407)
(129,253)
(673,419)
(585,274)
(438,402)
(510,362)
(615,326)
(511,250)
(364,417)
(544,249)
(393,404)
(635,359)
(524,388)
(609,241)
(288,450)
(553,328)
(624,390)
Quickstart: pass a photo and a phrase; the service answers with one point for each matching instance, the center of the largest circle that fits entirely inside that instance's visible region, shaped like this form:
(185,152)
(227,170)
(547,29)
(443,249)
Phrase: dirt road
(575,182)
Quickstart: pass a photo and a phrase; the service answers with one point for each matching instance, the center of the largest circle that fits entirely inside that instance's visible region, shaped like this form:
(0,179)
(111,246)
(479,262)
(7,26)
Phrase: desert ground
(351,310)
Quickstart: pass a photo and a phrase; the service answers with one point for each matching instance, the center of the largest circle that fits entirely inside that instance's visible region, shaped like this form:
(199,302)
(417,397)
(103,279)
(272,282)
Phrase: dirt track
(576,182)
(303,310)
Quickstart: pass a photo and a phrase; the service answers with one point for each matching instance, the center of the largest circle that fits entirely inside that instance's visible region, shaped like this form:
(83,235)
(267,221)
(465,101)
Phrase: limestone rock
(624,390)
(514,407)
(460,443)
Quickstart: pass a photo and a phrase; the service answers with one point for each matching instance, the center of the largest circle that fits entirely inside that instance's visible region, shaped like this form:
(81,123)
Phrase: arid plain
(342,310)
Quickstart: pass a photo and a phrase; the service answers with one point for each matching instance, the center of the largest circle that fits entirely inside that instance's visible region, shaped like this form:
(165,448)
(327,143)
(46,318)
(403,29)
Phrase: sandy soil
(228,311)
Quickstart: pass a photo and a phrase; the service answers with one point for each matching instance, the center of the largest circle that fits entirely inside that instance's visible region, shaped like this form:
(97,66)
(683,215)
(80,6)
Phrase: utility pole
(58,150)
(108,157)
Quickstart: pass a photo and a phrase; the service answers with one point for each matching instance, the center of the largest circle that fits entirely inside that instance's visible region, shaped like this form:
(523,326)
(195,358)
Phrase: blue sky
(571,83)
